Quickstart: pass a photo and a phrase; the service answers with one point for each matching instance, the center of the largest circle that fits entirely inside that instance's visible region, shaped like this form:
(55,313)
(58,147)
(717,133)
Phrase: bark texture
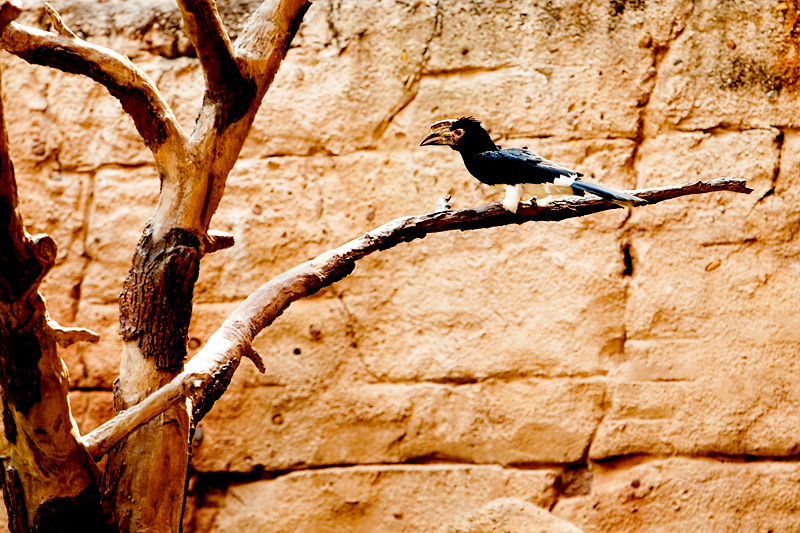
(156,299)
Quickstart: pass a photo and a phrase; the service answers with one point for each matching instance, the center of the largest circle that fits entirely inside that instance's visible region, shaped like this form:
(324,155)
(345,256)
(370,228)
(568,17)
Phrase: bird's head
(464,134)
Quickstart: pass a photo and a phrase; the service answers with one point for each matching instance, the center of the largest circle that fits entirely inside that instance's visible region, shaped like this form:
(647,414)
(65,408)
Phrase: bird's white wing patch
(536,189)
(565,181)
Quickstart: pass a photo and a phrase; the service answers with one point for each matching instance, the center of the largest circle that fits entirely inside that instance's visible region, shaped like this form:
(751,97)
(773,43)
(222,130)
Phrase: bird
(515,170)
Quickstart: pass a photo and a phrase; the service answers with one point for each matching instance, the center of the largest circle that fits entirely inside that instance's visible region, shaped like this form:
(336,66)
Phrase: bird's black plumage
(513,166)
(515,170)
(492,165)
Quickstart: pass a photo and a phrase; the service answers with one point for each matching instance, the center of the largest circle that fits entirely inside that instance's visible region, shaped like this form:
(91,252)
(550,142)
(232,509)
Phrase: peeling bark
(156,300)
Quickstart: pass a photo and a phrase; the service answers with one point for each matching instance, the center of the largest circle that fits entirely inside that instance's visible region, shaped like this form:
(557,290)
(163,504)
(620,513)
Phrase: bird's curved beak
(440,134)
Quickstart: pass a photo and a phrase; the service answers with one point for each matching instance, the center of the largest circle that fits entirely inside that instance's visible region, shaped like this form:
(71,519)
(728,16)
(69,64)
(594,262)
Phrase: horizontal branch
(233,340)
(125,81)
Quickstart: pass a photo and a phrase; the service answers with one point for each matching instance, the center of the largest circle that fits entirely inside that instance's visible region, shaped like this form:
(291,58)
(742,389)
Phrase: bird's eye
(458,133)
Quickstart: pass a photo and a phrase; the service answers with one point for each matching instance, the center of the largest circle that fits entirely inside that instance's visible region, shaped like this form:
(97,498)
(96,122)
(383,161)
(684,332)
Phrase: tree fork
(144,481)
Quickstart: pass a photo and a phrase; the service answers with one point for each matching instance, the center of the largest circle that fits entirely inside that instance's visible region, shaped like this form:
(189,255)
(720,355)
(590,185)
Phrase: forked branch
(212,367)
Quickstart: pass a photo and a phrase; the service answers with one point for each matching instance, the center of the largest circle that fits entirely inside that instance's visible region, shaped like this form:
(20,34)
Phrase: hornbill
(515,170)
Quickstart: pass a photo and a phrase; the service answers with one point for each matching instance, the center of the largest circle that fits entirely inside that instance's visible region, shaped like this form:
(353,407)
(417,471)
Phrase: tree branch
(212,44)
(265,39)
(99,441)
(210,368)
(218,240)
(66,337)
(125,81)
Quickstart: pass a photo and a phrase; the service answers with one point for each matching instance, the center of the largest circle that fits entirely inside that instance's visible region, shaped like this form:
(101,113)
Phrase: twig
(218,240)
(66,337)
(233,340)
(61,28)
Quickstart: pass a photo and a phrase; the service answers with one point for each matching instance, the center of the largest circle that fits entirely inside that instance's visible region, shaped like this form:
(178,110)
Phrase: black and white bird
(515,170)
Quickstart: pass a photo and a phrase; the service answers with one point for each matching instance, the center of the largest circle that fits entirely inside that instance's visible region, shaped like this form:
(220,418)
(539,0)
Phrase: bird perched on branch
(515,170)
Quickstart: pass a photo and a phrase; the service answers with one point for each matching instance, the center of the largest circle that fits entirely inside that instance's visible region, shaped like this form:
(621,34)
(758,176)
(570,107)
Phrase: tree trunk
(155,310)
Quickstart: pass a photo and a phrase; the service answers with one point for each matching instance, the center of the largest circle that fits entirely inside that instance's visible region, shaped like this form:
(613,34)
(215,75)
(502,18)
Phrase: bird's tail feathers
(617,197)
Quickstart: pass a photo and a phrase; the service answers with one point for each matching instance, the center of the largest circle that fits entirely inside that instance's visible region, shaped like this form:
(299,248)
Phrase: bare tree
(50,473)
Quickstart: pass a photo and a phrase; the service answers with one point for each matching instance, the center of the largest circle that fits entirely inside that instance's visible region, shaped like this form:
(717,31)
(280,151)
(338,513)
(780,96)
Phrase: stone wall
(630,373)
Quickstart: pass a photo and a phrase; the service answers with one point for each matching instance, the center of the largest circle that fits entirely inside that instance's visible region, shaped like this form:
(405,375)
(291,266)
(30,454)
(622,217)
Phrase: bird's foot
(443,204)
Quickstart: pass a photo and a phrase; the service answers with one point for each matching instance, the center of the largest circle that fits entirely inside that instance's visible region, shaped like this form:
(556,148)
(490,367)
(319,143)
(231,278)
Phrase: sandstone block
(719,71)
(124,199)
(508,515)
(754,155)
(374,498)
(543,101)
(279,427)
(683,494)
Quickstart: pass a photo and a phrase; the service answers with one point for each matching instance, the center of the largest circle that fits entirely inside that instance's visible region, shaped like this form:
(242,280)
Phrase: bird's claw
(443,204)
